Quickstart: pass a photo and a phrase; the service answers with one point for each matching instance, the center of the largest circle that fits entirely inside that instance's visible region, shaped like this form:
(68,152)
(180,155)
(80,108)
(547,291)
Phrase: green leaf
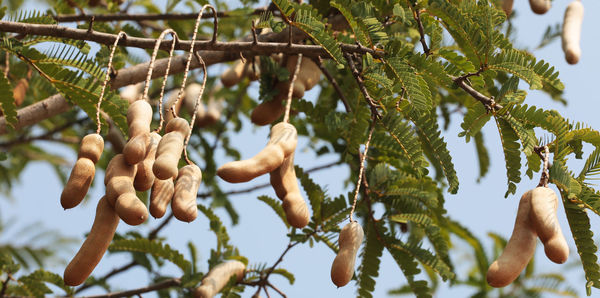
(7,102)
(412,83)
(371,259)
(288,275)
(315,193)
(483,157)
(153,247)
(512,155)
(276,206)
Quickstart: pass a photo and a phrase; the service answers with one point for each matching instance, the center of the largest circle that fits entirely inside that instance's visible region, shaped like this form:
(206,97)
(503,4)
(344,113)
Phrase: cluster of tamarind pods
(571,31)
(149,161)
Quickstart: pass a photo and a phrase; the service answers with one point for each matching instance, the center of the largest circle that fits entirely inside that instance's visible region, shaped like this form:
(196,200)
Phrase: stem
(108,275)
(488,102)
(44,136)
(288,105)
(361,170)
(5,284)
(158,286)
(334,83)
(361,85)
(417,16)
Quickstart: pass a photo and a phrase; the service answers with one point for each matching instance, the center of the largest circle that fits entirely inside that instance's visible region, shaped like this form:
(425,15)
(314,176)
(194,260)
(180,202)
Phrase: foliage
(409,168)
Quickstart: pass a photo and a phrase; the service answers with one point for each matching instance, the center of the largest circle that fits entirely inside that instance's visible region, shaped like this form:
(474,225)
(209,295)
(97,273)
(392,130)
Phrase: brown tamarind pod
(91,147)
(571,34)
(212,113)
(160,196)
(284,138)
(186,190)
(507,6)
(519,248)
(170,148)
(131,209)
(350,239)
(144,177)
(218,277)
(540,6)
(285,183)
(139,116)
(132,93)
(543,216)
(83,171)
(20,91)
(252,70)
(136,148)
(119,178)
(189,100)
(268,111)
(307,78)
(94,246)
(234,74)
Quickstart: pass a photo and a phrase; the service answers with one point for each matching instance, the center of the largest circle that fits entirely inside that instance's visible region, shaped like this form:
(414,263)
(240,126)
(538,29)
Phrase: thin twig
(106,79)
(197,104)
(276,289)
(334,83)
(257,187)
(6,63)
(108,275)
(488,102)
(417,17)
(545,156)
(5,284)
(157,286)
(362,87)
(44,136)
(288,105)
(362,168)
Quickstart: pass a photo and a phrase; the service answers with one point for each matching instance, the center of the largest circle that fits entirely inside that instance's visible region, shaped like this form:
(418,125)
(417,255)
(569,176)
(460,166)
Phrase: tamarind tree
(392,78)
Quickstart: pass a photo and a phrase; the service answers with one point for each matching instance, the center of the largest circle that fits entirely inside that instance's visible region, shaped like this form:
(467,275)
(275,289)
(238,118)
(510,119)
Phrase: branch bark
(143,16)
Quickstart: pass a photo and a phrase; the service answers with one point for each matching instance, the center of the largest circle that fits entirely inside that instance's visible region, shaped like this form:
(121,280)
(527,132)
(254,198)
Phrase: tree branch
(34,113)
(45,136)
(143,16)
(417,17)
(248,47)
(108,275)
(158,286)
(488,102)
(361,85)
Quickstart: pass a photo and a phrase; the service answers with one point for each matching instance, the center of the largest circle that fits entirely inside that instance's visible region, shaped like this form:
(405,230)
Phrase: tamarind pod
(139,116)
(186,190)
(519,248)
(144,177)
(20,91)
(94,246)
(170,148)
(189,101)
(234,74)
(115,137)
(91,147)
(571,33)
(507,6)
(218,277)
(282,143)
(212,113)
(117,186)
(268,111)
(160,196)
(131,93)
(544,203)
(170,102)
(131,209)
(308,74)
(285,184)
(135,150)
(540,6)
(78,184)
(118,166)
(342,269)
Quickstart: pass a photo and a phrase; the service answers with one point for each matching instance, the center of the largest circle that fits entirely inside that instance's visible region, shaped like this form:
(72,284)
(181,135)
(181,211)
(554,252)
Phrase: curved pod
(186,190)
(94,246)
(218,277)
(518,250)
(131,209)
(144,177)
(571,34)
(544,203)
(83,171)
(350,239)
(170,148)
(139,116)
(285,184)
(284,138)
